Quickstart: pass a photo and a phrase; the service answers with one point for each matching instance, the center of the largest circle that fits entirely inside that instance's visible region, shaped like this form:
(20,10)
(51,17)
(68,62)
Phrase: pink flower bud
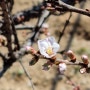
(71,55)
(62,67)
(30,49)
(48,34)
(76,88)
(85,59)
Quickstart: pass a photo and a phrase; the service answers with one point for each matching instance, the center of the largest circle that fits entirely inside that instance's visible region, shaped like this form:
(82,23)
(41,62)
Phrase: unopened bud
(48,34)
(76,88)
(30,49)
(85,59)
(34,60)
(71,55)
(62,67)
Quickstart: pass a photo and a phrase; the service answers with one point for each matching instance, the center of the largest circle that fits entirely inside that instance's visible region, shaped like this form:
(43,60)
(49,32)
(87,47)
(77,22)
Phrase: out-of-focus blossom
(82,70)
(45,25)
(76,88)
(62,67)
(44,29)
(48,47)
(30,49)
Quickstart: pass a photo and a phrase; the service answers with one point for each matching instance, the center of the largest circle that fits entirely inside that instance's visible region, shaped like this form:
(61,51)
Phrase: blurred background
(79,42)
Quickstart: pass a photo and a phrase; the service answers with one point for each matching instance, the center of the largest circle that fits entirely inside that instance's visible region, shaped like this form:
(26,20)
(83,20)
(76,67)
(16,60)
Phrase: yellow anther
(49,51)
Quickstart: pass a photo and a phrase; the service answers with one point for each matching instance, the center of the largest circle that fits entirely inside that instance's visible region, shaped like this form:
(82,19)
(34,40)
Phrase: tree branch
(66,7)
(17,55)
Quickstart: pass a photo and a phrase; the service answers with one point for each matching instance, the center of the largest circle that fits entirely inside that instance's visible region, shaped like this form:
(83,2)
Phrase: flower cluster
(84,64)
(48,49)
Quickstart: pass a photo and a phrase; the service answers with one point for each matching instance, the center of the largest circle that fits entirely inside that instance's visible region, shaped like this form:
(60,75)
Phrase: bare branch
(66,24)
(27,74)
(17,55)
(70,8)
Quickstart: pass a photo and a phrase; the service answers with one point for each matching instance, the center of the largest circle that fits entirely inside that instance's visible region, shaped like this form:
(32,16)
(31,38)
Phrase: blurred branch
(44,16)
(7,25)
(72,33)
(68,45)
(72,83)
(24,27)
(66,24)
(17,55)
(27,74)
(26,15)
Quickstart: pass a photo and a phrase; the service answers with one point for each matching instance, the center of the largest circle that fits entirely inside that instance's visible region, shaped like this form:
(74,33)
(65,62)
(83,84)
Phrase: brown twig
(65,7)
(66,24)
(27,74)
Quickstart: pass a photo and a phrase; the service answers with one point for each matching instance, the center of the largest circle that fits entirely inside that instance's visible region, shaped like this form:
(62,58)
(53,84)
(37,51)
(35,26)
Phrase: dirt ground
(15,78)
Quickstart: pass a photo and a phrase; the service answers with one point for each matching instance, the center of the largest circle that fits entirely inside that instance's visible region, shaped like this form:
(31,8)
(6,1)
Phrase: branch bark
(7,62)
(66,7)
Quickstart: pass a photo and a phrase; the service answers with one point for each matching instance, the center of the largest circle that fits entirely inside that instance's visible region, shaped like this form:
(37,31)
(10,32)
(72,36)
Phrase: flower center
(49,51)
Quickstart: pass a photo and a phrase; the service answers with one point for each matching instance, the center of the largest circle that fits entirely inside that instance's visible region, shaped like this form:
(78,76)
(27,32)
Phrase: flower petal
(48,47)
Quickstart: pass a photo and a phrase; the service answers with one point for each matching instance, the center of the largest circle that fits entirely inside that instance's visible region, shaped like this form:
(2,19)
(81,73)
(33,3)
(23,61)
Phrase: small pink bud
(85,59)
(48,34)
(71,55)
(76,88)
(30,49)
(62,67)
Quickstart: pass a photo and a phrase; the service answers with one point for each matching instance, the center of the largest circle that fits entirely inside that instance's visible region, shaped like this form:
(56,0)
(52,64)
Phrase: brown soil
(15,78)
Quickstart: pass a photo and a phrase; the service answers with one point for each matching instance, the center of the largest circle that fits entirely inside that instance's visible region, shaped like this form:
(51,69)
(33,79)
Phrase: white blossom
(28,48)
(48,47)
(45,25)
(62,67)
